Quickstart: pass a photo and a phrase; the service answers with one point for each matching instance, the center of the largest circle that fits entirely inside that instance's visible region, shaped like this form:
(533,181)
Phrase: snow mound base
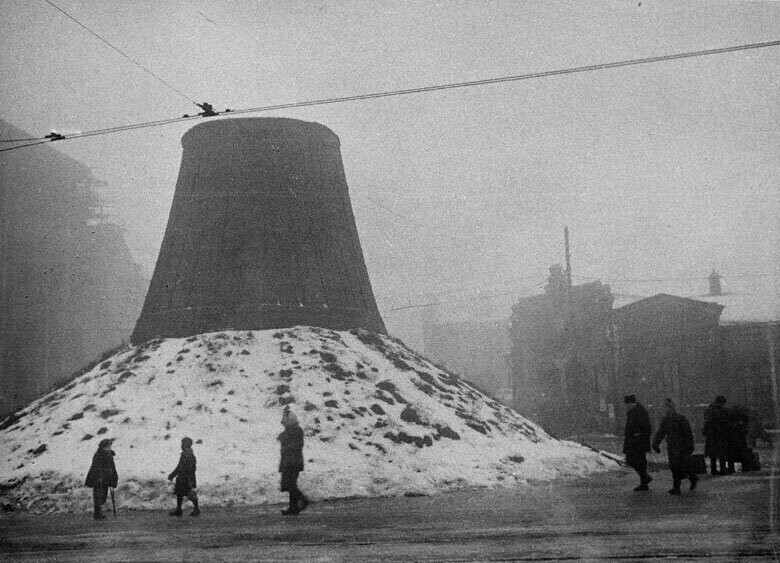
(379,420)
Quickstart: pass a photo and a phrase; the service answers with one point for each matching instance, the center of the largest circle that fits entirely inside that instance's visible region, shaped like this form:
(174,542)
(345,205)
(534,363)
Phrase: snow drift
(379,420)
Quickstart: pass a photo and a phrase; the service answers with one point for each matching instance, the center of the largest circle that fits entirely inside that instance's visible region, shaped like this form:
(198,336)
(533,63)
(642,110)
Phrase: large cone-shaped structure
(260,235)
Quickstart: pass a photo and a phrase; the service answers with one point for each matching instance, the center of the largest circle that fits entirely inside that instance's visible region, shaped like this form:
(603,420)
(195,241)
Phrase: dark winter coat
(716,431)
(737,437)
(638,430)
(102,472)
(291,458)
(185,473)
(679,437)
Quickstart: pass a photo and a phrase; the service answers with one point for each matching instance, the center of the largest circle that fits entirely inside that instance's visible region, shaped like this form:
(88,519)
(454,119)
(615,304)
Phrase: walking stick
(113,501)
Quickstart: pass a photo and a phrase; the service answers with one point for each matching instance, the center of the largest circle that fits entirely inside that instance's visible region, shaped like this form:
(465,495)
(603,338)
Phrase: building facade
(560,357)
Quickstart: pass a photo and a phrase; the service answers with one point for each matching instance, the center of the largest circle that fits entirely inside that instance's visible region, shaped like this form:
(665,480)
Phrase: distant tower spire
(715,287)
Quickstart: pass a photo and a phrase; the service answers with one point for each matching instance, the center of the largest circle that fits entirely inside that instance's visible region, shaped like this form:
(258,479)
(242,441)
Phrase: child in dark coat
(291,462)
(102,475)
(185,479)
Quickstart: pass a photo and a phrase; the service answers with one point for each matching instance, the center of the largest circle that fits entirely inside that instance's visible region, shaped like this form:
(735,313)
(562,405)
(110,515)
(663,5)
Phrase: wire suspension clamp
(208,110)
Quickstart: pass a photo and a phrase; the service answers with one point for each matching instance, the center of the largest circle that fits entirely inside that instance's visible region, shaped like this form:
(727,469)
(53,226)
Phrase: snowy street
(599,517)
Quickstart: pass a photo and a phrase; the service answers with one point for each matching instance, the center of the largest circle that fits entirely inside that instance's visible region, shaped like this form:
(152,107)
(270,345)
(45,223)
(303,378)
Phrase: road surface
(726,519)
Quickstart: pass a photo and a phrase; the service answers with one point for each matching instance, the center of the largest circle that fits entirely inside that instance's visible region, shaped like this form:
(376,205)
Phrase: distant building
(667,346)
(69,289)
(731,355)
(573,357)
(560,356)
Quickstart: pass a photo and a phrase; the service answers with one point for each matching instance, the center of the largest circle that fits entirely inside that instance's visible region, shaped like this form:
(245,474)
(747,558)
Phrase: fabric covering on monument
(260,235)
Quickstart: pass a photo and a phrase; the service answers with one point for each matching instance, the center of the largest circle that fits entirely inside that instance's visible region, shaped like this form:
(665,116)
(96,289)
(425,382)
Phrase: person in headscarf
(186,484)
(101,475)
(679,446)
(291,462)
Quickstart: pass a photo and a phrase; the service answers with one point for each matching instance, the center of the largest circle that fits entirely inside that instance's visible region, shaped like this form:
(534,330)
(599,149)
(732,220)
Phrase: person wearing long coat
(716,432)
(291,462)
(679,446)
(636,440)
(186,483)
(738,448)
(101,475)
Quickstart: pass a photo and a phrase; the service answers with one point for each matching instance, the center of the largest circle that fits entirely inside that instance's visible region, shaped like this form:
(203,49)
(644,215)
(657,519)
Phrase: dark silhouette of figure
(679,446)
(756,430)
(716,432)
(102,475)
(738,450)
(636,440)
(186,484)
(291,462)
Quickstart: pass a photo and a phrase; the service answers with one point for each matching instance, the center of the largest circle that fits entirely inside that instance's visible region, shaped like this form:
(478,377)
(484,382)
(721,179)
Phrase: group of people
(674,428)
(725,433)
(103,476)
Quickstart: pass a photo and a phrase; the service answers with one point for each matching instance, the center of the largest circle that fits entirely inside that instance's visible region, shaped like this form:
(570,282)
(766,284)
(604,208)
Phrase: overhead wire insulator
(54,136)
(208,110)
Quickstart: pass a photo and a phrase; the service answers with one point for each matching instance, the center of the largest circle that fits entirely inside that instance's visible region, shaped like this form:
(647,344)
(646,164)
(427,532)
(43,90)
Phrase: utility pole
(570,346)
(568,256)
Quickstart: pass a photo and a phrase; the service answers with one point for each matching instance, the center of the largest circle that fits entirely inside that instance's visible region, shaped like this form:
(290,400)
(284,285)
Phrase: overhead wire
(423,89)
(125,55)
(461,300)
(508,282)
(21,140)
(40,142)
(468,241)
(652,280)
(515,78)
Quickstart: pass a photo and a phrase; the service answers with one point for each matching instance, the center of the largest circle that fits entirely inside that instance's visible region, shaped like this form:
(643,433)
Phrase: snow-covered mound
(379,420)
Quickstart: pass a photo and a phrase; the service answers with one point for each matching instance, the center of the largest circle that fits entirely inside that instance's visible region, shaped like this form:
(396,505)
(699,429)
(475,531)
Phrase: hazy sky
(659,170)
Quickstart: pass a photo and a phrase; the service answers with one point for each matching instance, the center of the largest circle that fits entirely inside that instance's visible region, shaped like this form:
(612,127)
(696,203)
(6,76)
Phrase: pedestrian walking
(636,440)
(101,475)
(716,433)
(291,462)
(676,429)
(186,484)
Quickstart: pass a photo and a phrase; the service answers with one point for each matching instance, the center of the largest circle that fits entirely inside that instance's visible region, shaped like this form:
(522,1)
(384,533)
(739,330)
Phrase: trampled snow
(379,420)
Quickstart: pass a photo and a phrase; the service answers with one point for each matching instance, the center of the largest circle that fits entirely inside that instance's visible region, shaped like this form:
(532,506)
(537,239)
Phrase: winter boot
(304,502)
(99,515)
(674,492)
(694,481)
(642,487)
(195,511)
(175,512)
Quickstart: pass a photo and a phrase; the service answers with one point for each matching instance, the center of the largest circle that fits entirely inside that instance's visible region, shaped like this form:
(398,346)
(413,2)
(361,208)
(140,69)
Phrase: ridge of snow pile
(379,420)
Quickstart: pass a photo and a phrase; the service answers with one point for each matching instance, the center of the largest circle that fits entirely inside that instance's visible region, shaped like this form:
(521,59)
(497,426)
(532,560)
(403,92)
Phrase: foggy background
(664,170)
